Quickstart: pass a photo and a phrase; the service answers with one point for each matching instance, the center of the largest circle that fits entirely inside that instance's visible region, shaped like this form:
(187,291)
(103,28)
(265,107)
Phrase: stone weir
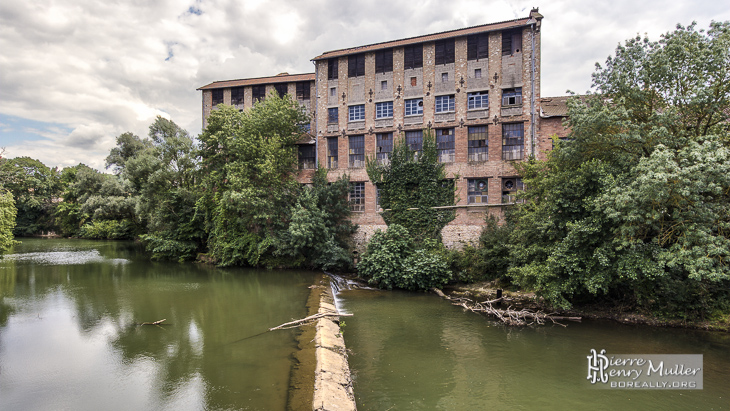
(322,353)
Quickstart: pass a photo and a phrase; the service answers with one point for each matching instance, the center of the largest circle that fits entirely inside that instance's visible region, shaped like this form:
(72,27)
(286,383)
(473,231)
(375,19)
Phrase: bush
(393,261)
(108,230)
(489,260)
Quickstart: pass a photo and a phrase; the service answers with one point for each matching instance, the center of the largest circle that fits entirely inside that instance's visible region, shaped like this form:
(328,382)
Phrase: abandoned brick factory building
(477,89)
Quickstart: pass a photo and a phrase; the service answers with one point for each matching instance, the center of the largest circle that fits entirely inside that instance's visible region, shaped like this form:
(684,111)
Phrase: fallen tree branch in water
(158,322)
(508,316)
(305,320)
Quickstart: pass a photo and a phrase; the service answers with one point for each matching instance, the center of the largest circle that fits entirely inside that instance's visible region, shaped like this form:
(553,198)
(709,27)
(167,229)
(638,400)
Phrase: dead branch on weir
(508,316)
(306,320)
(158,322)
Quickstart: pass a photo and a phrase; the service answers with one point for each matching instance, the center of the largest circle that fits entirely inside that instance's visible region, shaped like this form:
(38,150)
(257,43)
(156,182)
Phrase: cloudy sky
(74,74)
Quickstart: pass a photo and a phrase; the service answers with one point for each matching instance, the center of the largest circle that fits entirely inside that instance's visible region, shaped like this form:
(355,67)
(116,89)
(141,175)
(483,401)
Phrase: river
(70,339)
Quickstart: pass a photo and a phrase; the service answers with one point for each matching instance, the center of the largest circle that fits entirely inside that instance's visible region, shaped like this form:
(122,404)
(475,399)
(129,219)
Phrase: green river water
(70,340)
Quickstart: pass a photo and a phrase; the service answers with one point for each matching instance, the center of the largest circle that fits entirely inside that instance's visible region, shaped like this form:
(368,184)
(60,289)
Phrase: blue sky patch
(15,130)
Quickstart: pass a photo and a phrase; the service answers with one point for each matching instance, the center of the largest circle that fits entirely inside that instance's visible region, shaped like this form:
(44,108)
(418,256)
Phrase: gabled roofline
(280,78)
(484,28)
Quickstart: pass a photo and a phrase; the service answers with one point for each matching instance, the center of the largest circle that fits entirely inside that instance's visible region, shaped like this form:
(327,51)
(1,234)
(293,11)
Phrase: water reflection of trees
(207,310)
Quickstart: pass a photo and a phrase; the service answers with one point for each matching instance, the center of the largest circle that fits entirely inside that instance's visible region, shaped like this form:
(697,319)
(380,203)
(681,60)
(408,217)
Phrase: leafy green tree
(7,220)
(319,232)
(128,146)
(247,164)
(78,184)
(34,187)
(636,205)
(165,176)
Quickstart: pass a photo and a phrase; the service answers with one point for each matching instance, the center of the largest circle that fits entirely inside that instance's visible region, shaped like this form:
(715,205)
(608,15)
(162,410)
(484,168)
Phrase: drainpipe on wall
(316,105)
(532,89)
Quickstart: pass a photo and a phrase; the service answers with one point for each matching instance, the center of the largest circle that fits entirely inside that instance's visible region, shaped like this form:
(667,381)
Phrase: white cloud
(103,68)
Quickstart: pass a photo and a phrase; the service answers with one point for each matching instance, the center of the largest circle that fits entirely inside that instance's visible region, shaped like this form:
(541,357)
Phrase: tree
(247,165)
(128,145)
(636,206)
(319,232)
(7,220)
(78,184)
(34,187)
(166,182)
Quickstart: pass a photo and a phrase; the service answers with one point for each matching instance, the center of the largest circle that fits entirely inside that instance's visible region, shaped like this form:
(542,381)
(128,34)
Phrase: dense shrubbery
(107,230)
(490,259)
(8,214)
(394,260)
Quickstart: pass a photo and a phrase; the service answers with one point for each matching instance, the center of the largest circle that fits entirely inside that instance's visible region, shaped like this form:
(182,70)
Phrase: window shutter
(445,51)
(439,51)
(332,69)
(483,46)
(471,47)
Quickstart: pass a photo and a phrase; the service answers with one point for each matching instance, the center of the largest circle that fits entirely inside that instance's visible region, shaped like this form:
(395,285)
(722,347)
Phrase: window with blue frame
(384,110)
(414,107)
(445,103)
(357,113)
(478,99)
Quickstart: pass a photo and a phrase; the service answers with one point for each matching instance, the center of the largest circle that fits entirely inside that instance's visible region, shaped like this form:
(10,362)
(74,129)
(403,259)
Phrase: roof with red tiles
(279,78)
(429,37)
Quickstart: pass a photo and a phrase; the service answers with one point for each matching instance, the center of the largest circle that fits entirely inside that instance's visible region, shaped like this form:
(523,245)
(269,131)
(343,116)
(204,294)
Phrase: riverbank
(523,299)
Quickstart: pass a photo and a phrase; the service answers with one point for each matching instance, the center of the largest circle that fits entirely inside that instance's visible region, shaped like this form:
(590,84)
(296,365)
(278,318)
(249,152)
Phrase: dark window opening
(513,141)
(445,145)
(445,51)
(217,96)
(384,146)
(357,196)
(414,140)
(512,96)
(477,191)
(306,157)
(510,187)
(356,65)
(413,56)
(357,151)
(281,89)
(478,143)
(511,42)
(332,69)
(237,95)
(384,61)
(303,90)
(332,115)
(258,93)
(332,155)
(477,46)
